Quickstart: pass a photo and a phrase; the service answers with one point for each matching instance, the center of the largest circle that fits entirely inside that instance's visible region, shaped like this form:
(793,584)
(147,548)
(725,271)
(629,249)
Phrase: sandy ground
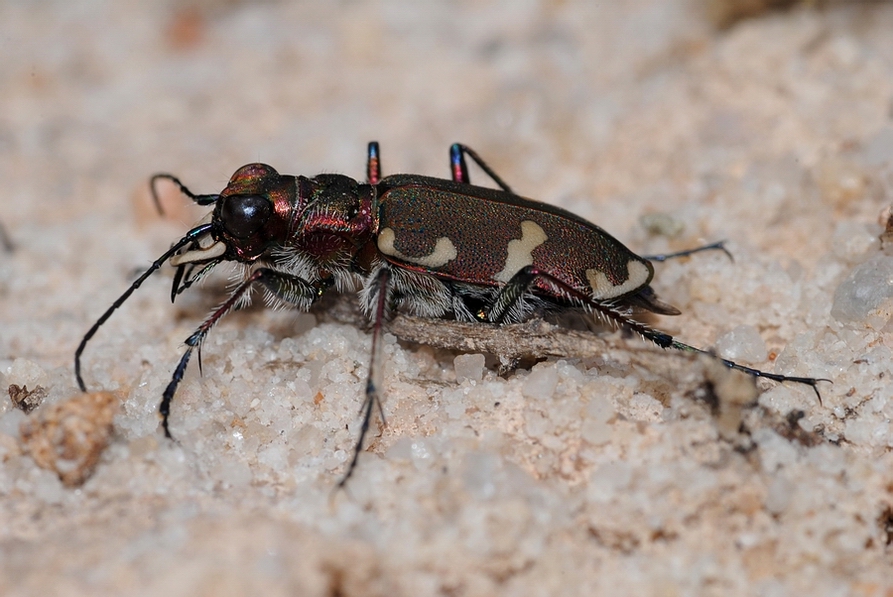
(602,474)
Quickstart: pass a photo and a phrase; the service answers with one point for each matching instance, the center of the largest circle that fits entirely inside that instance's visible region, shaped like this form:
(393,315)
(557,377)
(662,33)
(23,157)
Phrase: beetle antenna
(190,237)
(199,199)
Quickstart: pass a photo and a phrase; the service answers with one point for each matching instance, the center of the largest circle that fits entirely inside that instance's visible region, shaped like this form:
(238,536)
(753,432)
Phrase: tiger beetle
(425,246)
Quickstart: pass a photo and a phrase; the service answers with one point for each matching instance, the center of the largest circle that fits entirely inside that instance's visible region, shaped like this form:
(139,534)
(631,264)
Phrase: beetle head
(250,214)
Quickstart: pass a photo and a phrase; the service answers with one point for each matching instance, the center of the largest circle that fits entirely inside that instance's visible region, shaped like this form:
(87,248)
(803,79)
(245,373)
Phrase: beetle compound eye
(243,215)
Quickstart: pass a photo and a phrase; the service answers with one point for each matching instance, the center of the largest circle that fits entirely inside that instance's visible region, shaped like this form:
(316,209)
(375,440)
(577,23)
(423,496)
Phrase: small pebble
(69,437)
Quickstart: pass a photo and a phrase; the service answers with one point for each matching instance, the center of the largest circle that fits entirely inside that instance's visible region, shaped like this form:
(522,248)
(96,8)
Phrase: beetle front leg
(289,288)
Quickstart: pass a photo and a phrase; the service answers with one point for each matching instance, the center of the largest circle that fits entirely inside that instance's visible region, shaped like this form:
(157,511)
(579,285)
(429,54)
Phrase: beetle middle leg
(378,291)
(289,288)
(458,165)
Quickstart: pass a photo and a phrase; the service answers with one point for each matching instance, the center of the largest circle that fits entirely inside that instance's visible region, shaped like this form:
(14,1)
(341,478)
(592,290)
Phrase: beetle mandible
(426,246)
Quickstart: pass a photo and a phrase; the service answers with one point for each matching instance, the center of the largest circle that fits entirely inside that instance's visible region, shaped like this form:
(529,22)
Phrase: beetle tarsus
(373,379)
(165,407)
(809,381)
(719,245)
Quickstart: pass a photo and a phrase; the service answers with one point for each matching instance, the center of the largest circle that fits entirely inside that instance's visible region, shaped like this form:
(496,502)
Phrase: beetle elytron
(427,246)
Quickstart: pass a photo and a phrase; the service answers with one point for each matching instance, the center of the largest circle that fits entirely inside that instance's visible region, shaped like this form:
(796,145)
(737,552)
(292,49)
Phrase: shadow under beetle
(429,247)
(5,240)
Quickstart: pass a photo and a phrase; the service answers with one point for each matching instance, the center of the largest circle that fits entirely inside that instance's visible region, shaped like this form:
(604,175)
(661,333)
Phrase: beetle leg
(373,163)
(510,295)
(374,379)
(460,168)
(188,279)
(504,308)
(285,286)
(717,246)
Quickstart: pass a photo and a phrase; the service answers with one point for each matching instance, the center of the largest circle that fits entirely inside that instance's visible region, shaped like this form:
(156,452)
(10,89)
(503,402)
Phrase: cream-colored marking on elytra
(603,289)
(444,250)
(520,251)
(215,250)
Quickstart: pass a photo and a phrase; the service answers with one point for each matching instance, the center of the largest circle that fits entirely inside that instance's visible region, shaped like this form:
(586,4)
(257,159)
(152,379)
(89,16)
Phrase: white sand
(606,475)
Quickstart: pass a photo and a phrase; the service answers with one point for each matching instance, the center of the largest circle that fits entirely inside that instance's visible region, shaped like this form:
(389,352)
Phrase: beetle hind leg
(665,340)
(512,304)
(717,246)
(522,282)
(373,163)
(459,167)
